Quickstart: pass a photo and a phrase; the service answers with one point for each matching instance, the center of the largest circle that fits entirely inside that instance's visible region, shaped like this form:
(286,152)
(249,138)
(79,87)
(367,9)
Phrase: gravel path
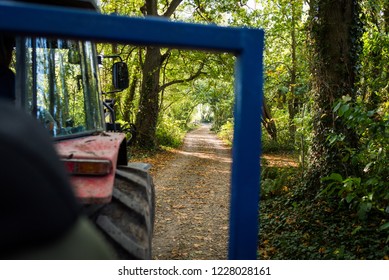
(192,200)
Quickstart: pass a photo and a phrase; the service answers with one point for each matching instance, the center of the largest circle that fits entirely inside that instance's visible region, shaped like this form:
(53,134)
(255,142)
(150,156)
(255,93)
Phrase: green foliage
(293,226)
(217,93)
(276,180)
(284,141)
(375,55)
(303,137)
(226,132)
(170,132)
(368,189)
(315,231)
(351,137)
(286,68)
(215,89)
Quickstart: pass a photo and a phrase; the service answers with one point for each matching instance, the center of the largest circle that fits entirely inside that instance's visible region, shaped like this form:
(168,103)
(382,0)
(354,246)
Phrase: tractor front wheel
(127,222)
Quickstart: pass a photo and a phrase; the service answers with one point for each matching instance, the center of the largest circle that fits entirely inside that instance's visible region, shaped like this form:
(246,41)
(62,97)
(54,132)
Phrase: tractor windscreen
(60,85)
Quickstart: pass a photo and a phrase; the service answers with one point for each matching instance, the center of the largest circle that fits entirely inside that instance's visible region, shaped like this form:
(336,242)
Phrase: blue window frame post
(245,179)
(246,44)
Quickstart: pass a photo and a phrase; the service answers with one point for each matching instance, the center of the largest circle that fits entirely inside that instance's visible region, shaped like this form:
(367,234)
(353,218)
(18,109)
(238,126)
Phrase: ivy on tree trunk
(335,34)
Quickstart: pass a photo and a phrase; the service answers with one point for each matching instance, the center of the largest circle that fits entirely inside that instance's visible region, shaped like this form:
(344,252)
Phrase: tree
(153,78)
(286,69)
(374,58)
(335,34)
(148,111)
(147,116)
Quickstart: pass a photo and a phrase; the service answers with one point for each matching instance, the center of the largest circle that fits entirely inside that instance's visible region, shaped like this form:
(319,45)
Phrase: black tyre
(128,221)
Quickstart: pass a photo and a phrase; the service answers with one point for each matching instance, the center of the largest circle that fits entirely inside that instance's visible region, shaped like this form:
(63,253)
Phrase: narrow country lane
(192,200)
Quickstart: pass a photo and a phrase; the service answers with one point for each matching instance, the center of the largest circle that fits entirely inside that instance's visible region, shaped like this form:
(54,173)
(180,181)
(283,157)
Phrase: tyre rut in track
(192,200)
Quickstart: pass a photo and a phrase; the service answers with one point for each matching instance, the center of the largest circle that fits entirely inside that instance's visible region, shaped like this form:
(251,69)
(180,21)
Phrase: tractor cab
(57,80)
(58,84)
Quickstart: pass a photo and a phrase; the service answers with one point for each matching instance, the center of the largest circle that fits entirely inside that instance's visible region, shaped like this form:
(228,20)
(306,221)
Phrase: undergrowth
(293,226)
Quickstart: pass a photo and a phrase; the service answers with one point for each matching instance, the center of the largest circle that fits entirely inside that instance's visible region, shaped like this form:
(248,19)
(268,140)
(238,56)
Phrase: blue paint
(246,148)
(246,44)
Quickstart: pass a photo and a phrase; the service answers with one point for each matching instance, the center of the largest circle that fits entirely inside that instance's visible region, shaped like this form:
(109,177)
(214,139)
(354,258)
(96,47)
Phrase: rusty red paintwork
(93,189)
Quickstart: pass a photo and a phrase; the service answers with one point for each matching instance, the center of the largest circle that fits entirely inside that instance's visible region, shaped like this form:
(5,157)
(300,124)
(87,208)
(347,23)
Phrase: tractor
(57,82)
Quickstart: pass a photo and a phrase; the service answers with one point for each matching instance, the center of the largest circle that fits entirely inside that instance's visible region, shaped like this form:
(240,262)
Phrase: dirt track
(192,197)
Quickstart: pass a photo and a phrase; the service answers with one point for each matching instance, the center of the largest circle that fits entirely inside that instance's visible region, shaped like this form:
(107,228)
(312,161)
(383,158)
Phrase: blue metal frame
(245,43)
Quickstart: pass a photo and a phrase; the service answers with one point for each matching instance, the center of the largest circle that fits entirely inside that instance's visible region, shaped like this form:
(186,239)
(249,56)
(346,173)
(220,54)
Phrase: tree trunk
(128,104)
(386,22)
(292,100)
(147,116)
(333,31)
(268,121)
(386,17)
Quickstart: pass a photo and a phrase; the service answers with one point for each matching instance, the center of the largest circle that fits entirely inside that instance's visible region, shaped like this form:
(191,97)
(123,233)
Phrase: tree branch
(165,55)
(141,62)
(151,8)
(172,8)
(191,78)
